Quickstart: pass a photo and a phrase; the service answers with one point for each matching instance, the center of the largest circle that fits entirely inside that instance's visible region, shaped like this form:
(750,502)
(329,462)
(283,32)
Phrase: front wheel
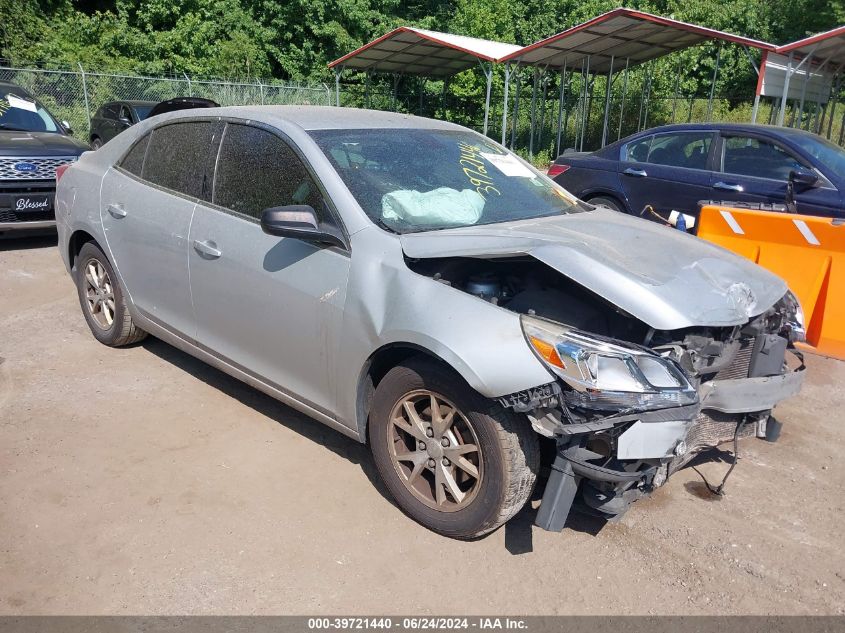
(454,461)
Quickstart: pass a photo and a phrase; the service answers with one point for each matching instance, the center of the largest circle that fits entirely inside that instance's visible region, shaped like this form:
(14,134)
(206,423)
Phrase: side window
(748,156)
(680,149)
(637,151)
(177,156)
(133,162)
(257,170)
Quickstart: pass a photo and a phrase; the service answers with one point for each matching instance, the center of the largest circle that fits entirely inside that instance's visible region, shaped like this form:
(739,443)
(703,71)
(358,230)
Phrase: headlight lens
(607,375)
(793,317)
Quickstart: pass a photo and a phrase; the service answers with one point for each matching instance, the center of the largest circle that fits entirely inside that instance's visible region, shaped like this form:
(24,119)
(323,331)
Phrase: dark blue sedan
(674,166)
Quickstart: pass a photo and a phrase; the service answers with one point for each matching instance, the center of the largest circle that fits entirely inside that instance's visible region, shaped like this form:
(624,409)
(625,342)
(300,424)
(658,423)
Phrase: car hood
(662,277)
(38,144)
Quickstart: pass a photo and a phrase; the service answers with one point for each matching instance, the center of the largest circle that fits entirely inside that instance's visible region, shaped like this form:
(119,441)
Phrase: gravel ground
(140,481)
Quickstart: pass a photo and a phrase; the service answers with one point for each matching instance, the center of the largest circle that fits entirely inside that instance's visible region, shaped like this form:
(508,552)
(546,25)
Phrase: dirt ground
(140,481)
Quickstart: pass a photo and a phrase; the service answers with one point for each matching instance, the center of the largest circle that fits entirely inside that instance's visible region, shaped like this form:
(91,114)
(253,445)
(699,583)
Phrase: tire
(506,462)
(96,143)
(102,299)
(610,203)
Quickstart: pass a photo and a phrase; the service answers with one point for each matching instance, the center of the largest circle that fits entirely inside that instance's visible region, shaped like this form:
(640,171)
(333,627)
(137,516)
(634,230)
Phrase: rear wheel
(610,203)
(454,461)
(102,299)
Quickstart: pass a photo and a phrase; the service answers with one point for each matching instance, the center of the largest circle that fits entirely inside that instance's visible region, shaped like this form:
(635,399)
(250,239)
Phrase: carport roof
(416,51)
(828,45)
(622,33)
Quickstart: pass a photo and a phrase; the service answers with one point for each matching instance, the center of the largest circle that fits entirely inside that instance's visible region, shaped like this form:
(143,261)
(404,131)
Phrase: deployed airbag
(439,207)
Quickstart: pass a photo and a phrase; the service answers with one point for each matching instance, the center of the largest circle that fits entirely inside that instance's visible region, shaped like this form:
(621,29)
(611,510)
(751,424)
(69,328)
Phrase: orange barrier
(806,251)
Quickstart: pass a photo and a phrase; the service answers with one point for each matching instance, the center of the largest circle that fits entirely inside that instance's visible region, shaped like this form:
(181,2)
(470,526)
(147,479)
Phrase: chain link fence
(74,95)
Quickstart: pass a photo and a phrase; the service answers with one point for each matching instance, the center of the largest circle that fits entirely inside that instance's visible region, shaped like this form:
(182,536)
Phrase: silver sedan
(418,287)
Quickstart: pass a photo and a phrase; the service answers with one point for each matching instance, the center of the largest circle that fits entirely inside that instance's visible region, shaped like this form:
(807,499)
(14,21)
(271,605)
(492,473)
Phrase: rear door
(272,306)
(147,203)
(753,168)
(668,170)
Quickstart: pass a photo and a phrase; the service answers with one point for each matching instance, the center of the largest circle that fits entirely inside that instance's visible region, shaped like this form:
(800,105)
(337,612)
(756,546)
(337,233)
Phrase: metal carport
(413,51)
(596,46)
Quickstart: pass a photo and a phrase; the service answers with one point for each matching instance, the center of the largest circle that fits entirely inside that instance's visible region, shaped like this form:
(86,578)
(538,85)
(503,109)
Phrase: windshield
(417,180)
(19,112)
(830,155)
(143,111)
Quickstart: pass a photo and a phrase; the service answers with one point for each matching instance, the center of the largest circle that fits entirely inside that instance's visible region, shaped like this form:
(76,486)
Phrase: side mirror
(803,178)
(298,221)
(125,121)
(67,127)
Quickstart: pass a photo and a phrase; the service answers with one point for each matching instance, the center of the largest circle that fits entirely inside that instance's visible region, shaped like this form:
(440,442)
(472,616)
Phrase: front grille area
(8,215)
(710,429)
(45,168)
(741,362)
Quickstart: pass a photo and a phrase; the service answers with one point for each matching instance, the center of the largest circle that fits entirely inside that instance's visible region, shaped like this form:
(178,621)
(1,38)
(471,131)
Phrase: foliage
(295,40)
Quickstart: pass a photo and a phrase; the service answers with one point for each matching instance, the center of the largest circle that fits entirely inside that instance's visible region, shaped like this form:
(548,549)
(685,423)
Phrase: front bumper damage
(606,463)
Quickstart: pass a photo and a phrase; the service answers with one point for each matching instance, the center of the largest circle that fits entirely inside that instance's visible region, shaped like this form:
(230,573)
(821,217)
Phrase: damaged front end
(631,402)
(625,416)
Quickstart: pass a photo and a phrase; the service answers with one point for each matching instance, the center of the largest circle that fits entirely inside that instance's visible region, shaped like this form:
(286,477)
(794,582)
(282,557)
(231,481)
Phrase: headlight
(605,374)
(793,317)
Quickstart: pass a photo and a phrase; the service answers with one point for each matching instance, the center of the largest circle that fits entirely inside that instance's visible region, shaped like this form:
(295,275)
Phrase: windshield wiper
(6,126)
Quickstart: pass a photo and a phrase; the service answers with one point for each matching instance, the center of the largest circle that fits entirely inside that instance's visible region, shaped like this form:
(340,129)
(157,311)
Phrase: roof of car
(733,127)
(323,117)
(13,88)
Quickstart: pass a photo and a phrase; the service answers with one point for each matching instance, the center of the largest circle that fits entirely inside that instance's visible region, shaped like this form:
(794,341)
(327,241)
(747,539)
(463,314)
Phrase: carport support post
(622,106)
(396,77)
(607,103)
(337,73)
(515,121)
(487,69)
(833,101)
(85,95)
(713,83)
(761,73)
(533,114)
(367,77)
(783,97)
(422,91)
(677,87)
(560,106)
(545,83)
(505,102)
(804,90)
(588,93)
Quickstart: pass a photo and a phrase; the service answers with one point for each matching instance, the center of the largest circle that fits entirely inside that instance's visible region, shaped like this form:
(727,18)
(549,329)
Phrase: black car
(674,166)
(32,145)
(114,117)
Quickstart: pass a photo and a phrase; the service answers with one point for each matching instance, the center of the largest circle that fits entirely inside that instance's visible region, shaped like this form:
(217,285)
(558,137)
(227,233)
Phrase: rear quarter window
(133,162)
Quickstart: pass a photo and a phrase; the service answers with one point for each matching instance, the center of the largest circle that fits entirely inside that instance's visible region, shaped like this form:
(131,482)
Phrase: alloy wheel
(99,294)
(435,451)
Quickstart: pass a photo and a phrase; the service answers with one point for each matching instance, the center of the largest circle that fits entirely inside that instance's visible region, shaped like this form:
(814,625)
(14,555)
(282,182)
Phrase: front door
(755,169)
(271,306)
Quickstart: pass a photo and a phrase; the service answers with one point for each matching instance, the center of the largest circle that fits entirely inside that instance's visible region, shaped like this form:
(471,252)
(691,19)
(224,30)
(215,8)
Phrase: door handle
(207,248)
(728,186)
(639,173)
(116,210)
